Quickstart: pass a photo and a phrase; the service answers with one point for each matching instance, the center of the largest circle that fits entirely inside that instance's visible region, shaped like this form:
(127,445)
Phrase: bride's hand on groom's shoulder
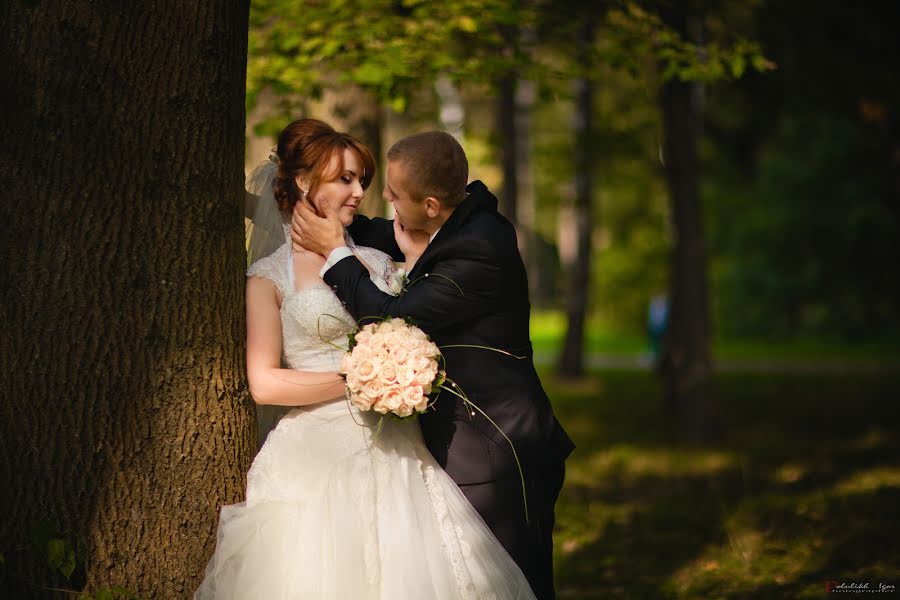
(315,233)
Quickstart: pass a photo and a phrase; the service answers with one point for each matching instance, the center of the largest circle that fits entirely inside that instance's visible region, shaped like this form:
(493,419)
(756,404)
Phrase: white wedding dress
(343,505)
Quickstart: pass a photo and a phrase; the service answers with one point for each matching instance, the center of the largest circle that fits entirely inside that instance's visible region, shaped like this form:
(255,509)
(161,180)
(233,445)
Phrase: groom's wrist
(334,257)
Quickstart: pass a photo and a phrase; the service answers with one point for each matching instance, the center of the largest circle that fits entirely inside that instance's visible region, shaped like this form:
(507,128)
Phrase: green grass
(548,329)
(801,487)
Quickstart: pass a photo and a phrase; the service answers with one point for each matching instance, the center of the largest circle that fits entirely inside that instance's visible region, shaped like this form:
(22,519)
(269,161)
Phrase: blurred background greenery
(799,157)
(739,159)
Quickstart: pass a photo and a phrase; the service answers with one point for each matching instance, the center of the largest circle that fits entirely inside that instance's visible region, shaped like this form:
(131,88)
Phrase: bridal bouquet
(391,367)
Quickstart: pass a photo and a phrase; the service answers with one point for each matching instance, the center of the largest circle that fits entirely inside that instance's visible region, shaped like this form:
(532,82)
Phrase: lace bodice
(314,323)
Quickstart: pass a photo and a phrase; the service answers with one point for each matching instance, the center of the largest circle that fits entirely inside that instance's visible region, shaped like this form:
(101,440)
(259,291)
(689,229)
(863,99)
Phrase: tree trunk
(571,361)
(506,129)
(515,102)
(358,112)
(451,110)
(125,412)
(685,361)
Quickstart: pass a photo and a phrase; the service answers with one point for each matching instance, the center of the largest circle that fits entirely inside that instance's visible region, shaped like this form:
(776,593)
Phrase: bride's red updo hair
(315,150)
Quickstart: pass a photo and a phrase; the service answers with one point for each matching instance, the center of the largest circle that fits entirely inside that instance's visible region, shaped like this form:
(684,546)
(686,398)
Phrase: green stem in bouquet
(418,279)
(516,356)
(322,337)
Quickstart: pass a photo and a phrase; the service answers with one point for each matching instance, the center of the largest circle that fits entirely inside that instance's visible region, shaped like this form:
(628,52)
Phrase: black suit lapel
(479,198)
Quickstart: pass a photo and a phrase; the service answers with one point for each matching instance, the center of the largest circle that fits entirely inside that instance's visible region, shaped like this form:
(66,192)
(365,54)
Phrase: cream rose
(399,354)
(361,402)
(372,389)
(388,374)
(409,342)
(424,377)
(422,362)
(362,351)
(392,399)
(353,382)
(368,368)
(405,375)
(412,395)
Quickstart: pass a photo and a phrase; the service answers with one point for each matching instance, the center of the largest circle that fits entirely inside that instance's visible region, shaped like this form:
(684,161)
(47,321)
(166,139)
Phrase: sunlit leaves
(395,49)
(391,49)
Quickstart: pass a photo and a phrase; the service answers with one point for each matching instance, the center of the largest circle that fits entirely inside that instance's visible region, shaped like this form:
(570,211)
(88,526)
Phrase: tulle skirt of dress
(340,507)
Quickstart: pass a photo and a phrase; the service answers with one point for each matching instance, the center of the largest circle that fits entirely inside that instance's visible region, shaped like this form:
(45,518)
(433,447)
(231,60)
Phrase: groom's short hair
(434,164)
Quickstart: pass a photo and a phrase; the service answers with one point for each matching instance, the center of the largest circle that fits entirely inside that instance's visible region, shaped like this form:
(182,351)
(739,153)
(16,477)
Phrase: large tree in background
(571,360)
(125,413)
(686,360)
(301,49)
(630,33)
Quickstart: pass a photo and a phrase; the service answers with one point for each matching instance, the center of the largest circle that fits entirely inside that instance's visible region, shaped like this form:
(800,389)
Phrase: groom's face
(411,213)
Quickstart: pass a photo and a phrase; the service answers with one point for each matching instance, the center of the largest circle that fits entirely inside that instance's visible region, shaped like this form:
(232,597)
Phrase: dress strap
(290,267)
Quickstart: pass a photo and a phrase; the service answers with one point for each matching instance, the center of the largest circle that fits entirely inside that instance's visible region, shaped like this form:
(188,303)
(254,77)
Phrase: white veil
(267,233)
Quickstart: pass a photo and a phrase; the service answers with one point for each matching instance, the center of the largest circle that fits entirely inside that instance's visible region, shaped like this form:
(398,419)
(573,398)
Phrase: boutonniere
(398,283)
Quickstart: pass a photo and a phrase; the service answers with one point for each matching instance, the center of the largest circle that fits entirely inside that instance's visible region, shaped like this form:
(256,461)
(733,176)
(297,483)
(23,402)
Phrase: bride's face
(342,195)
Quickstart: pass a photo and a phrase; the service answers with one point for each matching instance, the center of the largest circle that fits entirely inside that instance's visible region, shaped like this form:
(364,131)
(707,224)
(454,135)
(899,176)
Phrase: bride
(340,503)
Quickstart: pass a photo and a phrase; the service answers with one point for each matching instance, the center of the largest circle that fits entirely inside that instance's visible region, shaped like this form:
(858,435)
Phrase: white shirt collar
(431,239)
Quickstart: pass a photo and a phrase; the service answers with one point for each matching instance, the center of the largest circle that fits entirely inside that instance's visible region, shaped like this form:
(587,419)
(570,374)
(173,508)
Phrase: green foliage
(641,31)
(815,250)
(800,189)
(61,556)
(393,49)
(630,204)
(389,49)
(798,178)
(57,548)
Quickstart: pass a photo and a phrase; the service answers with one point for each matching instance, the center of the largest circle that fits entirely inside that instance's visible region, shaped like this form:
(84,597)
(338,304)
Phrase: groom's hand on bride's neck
(315,233)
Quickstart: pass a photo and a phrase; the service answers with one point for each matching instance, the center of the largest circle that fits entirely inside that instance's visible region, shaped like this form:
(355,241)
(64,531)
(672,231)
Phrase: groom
(468,287)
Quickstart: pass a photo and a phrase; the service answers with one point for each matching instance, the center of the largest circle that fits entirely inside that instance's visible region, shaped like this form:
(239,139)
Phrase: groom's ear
(432,207)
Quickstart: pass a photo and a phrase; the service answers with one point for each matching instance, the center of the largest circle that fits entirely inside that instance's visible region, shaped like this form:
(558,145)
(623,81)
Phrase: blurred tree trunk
(571,361)
(506,129)
(513,109)
(357,111)
(685,362)
(452,112)
(125,413)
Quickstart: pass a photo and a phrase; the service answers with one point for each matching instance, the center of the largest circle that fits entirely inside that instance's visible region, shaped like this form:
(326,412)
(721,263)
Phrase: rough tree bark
(685,361)
(571,360)
(125,412)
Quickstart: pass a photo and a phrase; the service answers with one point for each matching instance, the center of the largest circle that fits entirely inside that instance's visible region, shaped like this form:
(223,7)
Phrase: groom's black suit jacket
(469,287)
